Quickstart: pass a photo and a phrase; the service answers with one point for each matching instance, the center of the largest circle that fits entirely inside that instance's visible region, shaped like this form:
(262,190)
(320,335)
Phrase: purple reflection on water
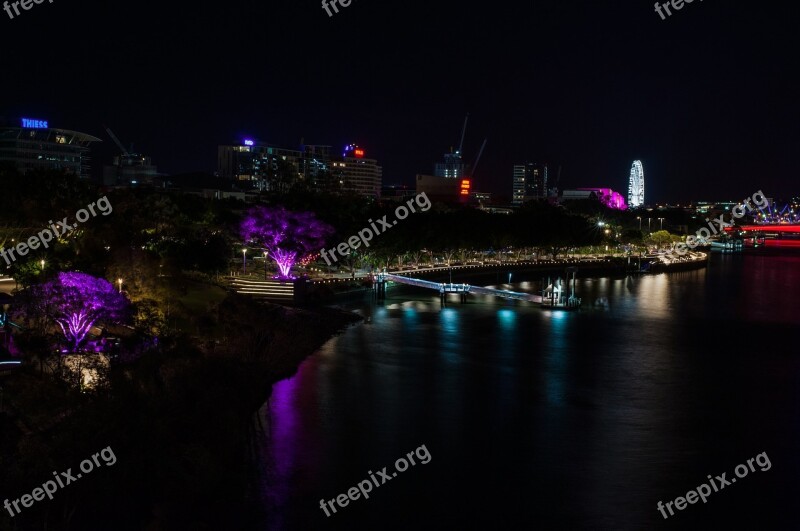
(290,450)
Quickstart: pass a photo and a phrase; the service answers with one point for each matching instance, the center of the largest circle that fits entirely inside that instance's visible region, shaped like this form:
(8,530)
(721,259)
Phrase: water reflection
(553,419)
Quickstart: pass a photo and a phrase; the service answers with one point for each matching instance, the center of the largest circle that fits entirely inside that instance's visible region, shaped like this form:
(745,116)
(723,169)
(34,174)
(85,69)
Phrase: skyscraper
(453,166)
(636,185)
(530,182)
(315,165)
(262,166)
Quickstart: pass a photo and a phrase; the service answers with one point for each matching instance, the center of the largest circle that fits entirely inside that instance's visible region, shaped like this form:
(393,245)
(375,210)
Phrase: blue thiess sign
(34,124)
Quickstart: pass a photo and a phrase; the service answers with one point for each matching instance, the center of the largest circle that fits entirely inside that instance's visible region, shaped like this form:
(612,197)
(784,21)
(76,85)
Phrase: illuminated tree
(77,301)
(287,236)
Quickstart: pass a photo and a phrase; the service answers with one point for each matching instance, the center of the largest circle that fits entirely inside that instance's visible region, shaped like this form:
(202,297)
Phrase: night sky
(707,98)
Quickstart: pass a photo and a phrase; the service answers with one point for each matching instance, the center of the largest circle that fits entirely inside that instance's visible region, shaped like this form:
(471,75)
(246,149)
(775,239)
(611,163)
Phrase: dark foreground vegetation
(181,422)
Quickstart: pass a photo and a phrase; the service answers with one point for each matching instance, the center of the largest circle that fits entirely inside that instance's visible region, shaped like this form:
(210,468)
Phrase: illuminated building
(530,182)
(636,185)
(444,188)
(453,166)
(32,144)
(270,168)
(606,196)
(315,165)
(260,165)
(354,172)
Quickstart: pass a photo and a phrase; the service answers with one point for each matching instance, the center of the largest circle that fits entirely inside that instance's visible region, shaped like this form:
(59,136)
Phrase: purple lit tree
(287,236)
(76,301)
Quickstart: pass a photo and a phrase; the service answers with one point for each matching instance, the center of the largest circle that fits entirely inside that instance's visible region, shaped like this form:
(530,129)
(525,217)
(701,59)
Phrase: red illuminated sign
(465,186)
(359,153)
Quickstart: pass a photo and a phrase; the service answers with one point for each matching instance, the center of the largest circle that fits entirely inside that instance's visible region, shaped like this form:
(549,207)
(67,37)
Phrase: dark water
(540,420)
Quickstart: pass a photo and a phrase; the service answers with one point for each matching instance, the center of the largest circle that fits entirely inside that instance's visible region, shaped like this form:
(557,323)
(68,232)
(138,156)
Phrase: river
(535,419)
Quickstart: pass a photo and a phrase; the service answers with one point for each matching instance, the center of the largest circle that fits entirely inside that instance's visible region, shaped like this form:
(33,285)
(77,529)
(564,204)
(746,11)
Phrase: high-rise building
(268,168)
(453,166)
(315,166)
(33,144)
(636,185)
(530,182)
(353,172)
(260,165)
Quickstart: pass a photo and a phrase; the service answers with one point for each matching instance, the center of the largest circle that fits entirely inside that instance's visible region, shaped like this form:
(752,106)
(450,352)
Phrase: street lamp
(42,263)
(662,223)
(119,281)
(640,222)
(244,261)
(265,264)
(648,224)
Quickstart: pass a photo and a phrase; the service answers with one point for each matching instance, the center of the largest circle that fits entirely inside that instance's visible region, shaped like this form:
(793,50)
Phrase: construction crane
(477,160)
(463,133)
(117,142)
(131,167)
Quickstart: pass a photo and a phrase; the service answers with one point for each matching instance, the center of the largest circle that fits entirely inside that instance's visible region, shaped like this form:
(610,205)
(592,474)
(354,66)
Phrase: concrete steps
(264,289)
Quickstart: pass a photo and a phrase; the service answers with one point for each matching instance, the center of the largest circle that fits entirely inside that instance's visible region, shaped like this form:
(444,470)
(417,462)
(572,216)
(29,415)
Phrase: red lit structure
(775,236)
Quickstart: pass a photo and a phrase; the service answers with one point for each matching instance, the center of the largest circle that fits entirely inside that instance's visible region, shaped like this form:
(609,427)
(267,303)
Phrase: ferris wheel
(636,185)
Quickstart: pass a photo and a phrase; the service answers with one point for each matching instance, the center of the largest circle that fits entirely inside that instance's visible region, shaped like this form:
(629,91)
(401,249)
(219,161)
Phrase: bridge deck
(461,288)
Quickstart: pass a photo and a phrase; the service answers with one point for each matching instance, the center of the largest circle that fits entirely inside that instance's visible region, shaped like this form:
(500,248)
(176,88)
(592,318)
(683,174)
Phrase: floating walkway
(461,289)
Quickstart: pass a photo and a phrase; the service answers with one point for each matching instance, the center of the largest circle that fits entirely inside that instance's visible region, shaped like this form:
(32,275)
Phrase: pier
(551,297)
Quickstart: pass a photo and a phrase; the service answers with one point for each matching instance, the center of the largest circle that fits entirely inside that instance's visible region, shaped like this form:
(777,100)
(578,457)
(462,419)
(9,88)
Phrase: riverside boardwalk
(462,289)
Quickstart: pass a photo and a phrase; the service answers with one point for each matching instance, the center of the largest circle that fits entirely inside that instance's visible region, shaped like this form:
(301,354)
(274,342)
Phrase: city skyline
(546,96)
(255,165)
